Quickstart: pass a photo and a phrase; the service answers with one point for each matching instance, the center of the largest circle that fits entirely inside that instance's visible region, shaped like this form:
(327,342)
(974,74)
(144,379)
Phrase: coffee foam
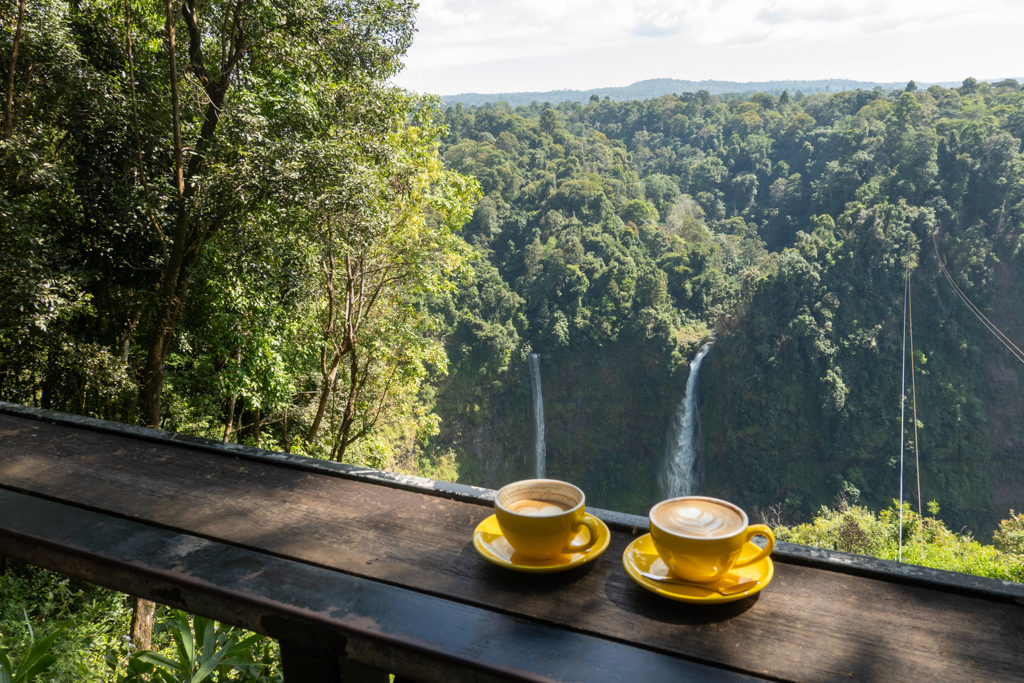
(538,508)
(548,491)
(699,518)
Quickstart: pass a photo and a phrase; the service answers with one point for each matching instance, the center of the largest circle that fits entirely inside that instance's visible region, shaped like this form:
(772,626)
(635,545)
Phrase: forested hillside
(656,87)
(615,236)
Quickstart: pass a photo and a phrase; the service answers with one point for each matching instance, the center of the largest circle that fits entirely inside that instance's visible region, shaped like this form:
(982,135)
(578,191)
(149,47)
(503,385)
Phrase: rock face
(771,440)
(767,438)
(606,413)
(1004,395)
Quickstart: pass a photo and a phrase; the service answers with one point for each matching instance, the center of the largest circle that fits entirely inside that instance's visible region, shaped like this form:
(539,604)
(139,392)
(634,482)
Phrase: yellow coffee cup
(540,517)
(700,538)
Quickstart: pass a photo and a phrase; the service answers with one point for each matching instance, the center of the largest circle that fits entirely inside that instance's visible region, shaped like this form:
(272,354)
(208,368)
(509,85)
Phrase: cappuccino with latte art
(700,539)
(699,517)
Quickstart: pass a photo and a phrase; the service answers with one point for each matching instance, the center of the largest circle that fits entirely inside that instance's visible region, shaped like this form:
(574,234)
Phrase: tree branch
(14,63)
(135,127)
(179,180)
(195,43)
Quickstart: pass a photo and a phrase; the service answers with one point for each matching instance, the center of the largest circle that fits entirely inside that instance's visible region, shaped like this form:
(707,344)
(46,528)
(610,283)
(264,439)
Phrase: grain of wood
(808,625)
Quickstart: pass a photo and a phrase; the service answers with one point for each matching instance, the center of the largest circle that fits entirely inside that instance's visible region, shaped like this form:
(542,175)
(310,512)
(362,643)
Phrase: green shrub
(93,621)
(1009,538)
(926,540)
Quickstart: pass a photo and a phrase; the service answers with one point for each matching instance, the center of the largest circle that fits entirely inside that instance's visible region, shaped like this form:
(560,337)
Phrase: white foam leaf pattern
(698,520)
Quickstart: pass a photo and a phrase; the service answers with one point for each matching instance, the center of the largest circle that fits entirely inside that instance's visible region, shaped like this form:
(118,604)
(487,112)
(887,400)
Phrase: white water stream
(682,472)
(538,416)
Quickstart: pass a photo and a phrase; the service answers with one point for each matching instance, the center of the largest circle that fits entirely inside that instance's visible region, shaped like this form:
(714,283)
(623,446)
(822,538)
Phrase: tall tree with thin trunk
(394,241)
(218,176)
(13,71)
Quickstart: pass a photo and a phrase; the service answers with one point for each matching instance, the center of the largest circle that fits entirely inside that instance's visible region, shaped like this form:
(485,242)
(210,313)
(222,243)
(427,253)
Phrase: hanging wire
(913,393)
(903,400)
(1003,339)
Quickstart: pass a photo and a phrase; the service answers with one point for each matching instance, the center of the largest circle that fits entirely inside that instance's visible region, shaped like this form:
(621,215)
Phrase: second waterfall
(538,416)
(682,472)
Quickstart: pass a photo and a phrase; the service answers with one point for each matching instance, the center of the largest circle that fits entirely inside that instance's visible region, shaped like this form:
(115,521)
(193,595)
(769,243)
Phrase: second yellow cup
(700,538)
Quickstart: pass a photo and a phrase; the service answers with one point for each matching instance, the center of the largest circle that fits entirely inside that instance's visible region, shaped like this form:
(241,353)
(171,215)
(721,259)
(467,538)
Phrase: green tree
(250,50)
(638,212)
(145,146)
(374,265)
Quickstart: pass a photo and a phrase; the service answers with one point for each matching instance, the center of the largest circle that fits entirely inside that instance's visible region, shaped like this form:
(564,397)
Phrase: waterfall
(682,473)
(538,415)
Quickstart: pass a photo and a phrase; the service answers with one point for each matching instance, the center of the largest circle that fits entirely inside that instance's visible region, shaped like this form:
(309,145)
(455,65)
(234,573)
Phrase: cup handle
(759,530)
(592,526)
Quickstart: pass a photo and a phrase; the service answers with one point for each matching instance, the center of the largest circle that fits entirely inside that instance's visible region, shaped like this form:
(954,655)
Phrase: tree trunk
(187,239)
(231,418)
(143,616)
(350,409)
(160,344)
(325,394)
(8,121)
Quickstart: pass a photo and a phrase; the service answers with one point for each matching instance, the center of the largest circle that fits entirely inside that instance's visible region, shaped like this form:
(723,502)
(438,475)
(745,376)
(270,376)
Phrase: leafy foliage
(1009,537)
(86,639)
(926,540)
(85,624)
(203,652)
(35,658)
(163,255)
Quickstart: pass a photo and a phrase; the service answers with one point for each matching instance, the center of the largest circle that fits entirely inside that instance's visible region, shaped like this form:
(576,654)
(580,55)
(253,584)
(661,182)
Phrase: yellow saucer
(641,556)
(491,544)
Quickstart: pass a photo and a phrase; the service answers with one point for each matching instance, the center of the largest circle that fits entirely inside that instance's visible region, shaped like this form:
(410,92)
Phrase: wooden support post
(317,655)
(357,672)
(300,666)
(303,665)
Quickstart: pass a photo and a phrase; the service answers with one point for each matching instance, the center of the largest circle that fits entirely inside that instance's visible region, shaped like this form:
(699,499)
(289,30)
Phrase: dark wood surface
(328,623)
(808,625)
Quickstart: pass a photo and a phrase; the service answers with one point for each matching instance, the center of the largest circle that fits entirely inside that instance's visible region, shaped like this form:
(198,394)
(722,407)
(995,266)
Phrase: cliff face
(1004,392)
(606,415)
(770,439)
(774,438)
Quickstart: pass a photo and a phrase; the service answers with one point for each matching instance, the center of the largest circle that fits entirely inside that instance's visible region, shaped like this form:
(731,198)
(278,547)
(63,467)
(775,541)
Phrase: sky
(491,46)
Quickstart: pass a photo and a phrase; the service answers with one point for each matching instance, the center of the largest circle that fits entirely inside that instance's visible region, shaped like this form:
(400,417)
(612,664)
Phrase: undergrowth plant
(34,660)
(93,621)
(926,540)
(201,652)
(85,641)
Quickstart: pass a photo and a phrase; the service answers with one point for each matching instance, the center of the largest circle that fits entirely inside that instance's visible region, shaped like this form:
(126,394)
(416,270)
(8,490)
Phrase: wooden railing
(360,573)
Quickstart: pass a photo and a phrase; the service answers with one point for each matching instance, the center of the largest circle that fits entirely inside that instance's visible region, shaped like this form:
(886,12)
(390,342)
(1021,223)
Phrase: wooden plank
(792,553)
(809,625)
(330,623)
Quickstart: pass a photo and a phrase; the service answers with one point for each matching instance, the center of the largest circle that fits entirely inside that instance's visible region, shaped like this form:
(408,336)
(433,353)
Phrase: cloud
(651,30)
(454,35)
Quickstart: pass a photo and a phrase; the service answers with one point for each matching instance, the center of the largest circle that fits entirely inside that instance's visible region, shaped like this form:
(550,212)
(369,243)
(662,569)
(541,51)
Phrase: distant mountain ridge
(656,87)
